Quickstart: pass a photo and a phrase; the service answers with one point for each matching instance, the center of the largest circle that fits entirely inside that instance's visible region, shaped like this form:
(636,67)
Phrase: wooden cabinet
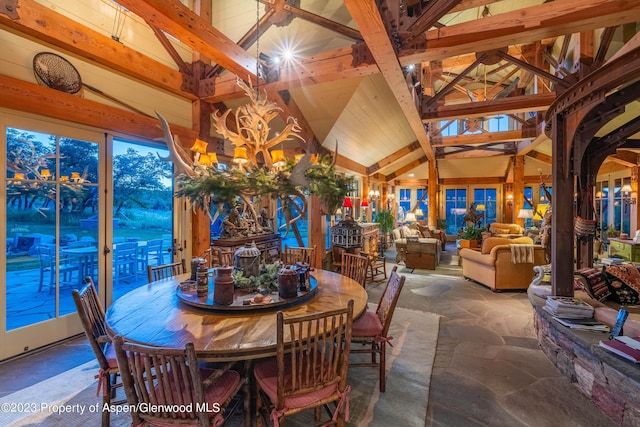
(268,244)
(370,237)
(624,249)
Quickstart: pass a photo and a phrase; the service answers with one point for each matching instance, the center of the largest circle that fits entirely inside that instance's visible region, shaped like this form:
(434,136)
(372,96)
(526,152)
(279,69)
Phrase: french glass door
(52,177)
(74,200)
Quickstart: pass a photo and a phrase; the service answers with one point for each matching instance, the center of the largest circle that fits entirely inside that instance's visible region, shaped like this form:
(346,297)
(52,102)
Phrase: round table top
(153,315)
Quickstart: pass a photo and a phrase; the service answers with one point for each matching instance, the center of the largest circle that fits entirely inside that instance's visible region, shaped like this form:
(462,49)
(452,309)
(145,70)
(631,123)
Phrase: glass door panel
(142,213)
(51,188)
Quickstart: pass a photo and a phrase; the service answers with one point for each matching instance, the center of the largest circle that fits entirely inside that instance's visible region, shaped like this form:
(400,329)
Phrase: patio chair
(156,378)
(92,316)
(125,260)
(165,271)
(49,270)
(310,367)
(355,267)
(372,328)
(294,254)
(152,254)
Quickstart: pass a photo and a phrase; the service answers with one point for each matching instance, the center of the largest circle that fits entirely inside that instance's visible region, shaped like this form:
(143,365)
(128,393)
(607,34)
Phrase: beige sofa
(501,229)
(492,266)
(423,235)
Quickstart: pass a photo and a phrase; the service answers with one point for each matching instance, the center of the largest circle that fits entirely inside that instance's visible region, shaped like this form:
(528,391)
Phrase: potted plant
(470,236)
(386,221)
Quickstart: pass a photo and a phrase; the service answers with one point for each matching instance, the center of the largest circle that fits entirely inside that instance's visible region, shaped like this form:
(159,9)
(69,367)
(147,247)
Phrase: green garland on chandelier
(222,187)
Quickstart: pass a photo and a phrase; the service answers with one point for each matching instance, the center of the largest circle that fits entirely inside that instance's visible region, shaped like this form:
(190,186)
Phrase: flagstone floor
(488,369)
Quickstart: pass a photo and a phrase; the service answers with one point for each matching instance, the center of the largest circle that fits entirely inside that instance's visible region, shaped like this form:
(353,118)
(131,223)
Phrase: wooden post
(317,233)
(518,187)
(432,190)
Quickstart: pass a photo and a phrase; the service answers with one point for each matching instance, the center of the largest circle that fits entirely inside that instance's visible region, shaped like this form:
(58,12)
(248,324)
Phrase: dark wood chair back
(313,354)
(294,254)
(355,267)
(92,316)
(165,271)
(156,378)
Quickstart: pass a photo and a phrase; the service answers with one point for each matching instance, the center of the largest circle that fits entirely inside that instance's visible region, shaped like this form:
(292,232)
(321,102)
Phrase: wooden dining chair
(92,316)
(221,257)
(377,267)
(372,328)
(294,254)
(355,267)
(157,378)
(310,367)
(165,271)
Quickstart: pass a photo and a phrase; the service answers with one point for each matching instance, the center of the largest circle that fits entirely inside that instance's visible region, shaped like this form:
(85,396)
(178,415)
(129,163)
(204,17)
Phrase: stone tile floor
(489,370)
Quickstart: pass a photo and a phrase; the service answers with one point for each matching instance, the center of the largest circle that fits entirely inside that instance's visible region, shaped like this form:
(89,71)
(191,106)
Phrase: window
(486,198)
(424,203)
(404,203)
(455,209)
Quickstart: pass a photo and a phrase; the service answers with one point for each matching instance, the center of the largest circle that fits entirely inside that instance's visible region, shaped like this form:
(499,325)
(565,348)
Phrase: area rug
(69,399)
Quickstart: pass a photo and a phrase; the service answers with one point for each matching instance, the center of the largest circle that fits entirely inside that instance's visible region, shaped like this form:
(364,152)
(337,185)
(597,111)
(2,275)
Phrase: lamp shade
(540,211)
(18,175)
(240,155)
(481,208)
(278,157)
(364,203)
(45,173)
(525,213)
(410,217)
(626,188)
(213,158)
(199,146)
(347,203)
(418,212)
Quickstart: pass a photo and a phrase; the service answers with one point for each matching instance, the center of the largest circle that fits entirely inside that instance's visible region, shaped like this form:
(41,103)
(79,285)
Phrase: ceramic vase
(223,286)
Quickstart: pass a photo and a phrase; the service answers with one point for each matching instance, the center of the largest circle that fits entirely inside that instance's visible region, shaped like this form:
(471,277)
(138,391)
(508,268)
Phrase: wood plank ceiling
(386,79)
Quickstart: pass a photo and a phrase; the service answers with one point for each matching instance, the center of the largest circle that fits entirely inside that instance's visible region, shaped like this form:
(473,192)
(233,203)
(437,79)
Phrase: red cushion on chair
(266,373)
(369,325)
(110,354)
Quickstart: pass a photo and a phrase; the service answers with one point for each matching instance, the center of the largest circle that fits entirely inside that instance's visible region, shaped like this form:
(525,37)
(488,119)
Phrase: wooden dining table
(154,315)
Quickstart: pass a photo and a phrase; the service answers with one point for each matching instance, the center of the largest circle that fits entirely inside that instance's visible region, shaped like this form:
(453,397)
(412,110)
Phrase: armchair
(493,265)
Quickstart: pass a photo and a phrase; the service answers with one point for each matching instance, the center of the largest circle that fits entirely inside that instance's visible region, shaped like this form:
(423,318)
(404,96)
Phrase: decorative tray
(244,300)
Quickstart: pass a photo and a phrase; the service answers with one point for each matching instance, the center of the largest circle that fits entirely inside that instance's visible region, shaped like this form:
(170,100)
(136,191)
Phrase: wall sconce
(510,199)
(628,195)
(390,198)
(374,195)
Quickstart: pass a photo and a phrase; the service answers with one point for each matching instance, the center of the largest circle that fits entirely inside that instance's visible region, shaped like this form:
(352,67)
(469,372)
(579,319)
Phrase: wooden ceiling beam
(514,104)
(323,22)
(481,138)
(544,158)
(44,24)
(525,25)
(625,158)
(32,98)
(406,168)
(393,157)
(367,17)
(472,181)
(182,23)
(430,15)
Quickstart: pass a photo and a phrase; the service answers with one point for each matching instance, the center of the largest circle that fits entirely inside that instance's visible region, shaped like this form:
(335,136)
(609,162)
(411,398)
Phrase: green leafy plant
(386,220)
(471,233)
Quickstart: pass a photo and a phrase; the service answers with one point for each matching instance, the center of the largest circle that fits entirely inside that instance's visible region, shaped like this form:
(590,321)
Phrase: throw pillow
(594,283)
(624,281)
(501,231)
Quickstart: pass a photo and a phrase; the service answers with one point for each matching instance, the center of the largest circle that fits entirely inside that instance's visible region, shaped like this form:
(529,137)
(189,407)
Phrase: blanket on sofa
(521,253)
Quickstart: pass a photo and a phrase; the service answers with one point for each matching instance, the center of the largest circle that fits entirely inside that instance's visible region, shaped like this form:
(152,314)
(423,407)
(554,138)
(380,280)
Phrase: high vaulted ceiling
(386,80)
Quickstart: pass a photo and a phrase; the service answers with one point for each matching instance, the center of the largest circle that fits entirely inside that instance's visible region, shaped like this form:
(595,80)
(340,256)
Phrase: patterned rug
(69,399)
